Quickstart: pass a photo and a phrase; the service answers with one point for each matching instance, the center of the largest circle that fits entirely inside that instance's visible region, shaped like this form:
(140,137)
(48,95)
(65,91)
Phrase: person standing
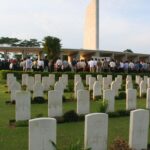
(99,66)
(74,65)
(91,65)
(28,64)
(46,64)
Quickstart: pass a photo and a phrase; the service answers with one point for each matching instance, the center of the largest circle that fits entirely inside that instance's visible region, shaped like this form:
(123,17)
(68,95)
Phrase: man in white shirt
(131,66)
(112,65)
(58,64)
(91,65)
(95,64)
(40,65)
(28,64)
(121,67)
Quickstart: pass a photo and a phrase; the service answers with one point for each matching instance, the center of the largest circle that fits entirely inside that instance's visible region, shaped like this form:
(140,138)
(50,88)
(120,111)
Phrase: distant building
(78,53)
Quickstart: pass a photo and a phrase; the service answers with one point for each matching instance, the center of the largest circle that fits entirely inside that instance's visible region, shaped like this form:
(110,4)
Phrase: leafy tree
(28,43)
(128,51)
(20,43)
(9,41)
(52,46)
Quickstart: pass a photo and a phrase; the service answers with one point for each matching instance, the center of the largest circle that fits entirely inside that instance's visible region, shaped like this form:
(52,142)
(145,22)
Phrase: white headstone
(100,79)
(15,87)
(30,83)
(138,133)
(109,78)
(110,98)
(77,78)
(137,79)
(9,77)
(46,83)
(97,90)
(24,79)
(119,77)
(91,83)
(145,79)
(105,84)
(52,79)
(65,79)
(37,78)
(59,87)
(10,83)
(114,88)
(83,102)
(148,99)
(87,78)
(142,88)
(63,82)
(78,86)
(38,90)
(42,134)
(129,85)
(55,104)
(148,83)
(23,105)
(131,99)
(96,131)
(119,81)
(129,78)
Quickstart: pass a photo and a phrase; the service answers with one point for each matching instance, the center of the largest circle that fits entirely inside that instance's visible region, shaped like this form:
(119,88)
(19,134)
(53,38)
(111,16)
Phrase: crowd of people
(92,65)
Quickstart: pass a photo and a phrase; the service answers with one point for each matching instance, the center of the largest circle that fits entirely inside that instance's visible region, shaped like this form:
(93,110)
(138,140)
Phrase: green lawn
(12,138)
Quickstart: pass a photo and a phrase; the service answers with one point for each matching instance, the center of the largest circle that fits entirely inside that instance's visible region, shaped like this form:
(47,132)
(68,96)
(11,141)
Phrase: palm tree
(52,46)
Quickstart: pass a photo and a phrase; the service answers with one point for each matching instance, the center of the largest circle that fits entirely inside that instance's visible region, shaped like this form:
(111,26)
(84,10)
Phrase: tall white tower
(91,28)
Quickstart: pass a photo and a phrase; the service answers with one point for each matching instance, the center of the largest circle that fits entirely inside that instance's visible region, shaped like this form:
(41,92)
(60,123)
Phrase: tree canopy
(20,43)
(52,46)
(9,41)
(128,51)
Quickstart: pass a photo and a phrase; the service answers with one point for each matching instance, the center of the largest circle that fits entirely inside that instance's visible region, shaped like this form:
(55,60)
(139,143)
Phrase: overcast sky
(124,24)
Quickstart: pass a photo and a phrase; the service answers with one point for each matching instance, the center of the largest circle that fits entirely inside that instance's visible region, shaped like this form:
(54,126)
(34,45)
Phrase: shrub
(70,116)
(121,96)
(14,123)
(114,114)
(18,74)
(135,86)
(119,144)
(70,86)
(97,98)
(38,100)
(119,113)
(143,95)
(64,98)
(39,115)
(122,87)
(77,146)
(22,123)
(103,106)
(124,112)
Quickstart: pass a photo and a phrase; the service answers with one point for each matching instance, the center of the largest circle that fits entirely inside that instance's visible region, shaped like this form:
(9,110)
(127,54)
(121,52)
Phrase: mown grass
(16,138)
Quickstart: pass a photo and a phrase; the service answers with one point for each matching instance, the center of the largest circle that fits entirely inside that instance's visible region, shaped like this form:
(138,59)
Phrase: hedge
(18,74)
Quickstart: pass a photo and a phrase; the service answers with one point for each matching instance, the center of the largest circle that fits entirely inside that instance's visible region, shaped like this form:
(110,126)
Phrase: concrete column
(97,54)
(5,54)
(23,54)
(69,58)
(125,57)
(78,55)
(113,56)
(91,34)
(97,24)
